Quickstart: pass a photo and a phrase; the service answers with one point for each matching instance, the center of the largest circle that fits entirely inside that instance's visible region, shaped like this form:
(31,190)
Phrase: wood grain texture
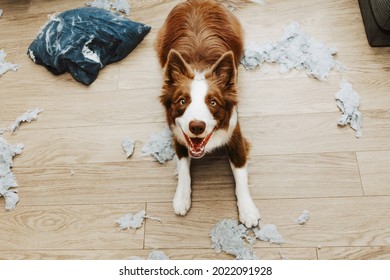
(375,172)
(75,180)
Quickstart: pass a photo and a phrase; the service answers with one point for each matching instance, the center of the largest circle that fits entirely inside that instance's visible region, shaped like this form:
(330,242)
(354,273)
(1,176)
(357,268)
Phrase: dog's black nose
(197,127)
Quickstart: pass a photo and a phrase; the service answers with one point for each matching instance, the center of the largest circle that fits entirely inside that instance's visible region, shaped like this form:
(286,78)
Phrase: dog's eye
(182,101)
(213,103)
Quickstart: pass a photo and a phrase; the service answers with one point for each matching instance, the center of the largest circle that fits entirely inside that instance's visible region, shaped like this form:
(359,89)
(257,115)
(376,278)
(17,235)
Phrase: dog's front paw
(181,203)
(248,214)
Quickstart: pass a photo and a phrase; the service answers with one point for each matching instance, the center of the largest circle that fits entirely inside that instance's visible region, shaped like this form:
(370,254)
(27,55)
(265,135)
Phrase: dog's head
(200,107)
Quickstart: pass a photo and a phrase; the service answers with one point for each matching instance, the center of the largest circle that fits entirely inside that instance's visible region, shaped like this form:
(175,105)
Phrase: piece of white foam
(269,232)
(6,66)
(295,49)
(160,146)
(348,100)
(228,236)
(7,178)
(157,255)
(130,221)
(102,4)
(154,255)
(128,146)
(29,116)
(303,218)
(120,5)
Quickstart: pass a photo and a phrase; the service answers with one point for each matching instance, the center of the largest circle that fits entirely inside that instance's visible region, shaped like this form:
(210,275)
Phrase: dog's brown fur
(199,48)
(203,36)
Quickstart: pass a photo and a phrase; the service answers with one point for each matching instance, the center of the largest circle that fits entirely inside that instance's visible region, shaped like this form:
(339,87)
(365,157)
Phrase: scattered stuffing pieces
(160,146)
(347,100)
(1,13)
(29,116)
(128,146)
(154,255)
(269,233)
(227,236)
(304,217)
(5,66)
(157,255)
(296,49)
(101,4)
(129,220)
(7,178)
(119,5)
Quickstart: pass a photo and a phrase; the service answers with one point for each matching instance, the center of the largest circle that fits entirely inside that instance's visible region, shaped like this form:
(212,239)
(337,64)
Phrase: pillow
(82,41)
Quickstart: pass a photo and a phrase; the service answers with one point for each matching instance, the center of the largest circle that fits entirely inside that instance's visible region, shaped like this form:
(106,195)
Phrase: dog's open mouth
(196,145)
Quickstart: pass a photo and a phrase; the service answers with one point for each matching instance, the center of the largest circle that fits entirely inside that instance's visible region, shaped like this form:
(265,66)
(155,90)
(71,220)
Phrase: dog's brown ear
(225,70)
(176,67)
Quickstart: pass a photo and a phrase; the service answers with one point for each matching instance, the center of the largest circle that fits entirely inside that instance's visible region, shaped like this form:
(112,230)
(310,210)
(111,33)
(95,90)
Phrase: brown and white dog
(199,47)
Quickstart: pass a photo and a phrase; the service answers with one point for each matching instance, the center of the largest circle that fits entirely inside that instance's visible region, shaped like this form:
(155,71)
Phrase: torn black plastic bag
(82,41)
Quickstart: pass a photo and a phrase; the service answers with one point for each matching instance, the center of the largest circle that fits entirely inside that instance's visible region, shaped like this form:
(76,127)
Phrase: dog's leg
(182,198)
(237,149)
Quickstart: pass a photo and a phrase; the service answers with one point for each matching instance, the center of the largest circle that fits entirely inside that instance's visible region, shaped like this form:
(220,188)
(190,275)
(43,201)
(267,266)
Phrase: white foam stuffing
(128,146)
(130,221)
(29,116)
(1,13)
(89,54)
(102,4)
(160,146)
(304,217)
(120,5)
(154,255)
(348,100)
(7,178)
(227,236)
(157,255)
(269,233)
(296,49)
(6,66)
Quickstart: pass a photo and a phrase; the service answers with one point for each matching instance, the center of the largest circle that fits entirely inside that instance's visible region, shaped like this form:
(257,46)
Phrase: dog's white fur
(199,47)
(198,110)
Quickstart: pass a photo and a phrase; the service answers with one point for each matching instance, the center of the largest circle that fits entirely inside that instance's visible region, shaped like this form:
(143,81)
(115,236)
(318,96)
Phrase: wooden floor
(300,158)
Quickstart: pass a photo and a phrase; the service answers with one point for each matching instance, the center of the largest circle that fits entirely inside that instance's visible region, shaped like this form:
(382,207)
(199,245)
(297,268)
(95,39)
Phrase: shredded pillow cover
(82,41)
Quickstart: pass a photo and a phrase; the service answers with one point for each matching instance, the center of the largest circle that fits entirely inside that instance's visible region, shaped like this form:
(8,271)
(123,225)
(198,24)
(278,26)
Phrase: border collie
(199,48)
